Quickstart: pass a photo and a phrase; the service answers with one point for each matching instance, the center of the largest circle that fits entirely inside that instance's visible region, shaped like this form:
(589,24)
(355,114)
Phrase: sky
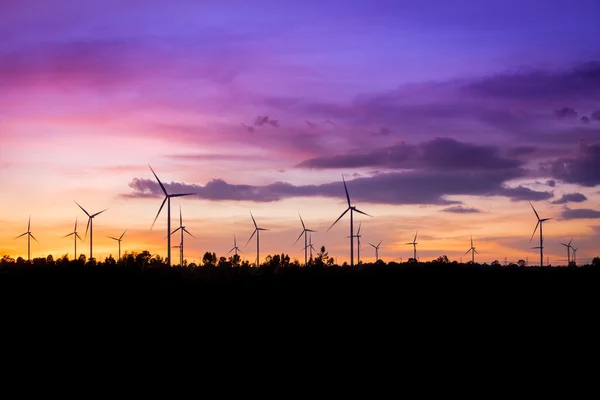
(443,117)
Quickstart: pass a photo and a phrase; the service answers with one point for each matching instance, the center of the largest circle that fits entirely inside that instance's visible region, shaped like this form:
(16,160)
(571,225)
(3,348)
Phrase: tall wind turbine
(310,246)
(76,236)
(257,232)
(414,243)
(569,247)
(352,209)
(29,236)
(235,247)
(358,236)
(119,240)
(168,200)
(540,223)
(182,229)
(376,250)
(574,255)
(304,231)
(473,251)
(90,224)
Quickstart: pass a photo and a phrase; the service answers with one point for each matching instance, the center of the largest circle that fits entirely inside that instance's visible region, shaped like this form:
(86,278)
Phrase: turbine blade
(467,252)
(471,240)
(536,214)
(361,212)
(230,251)
(87,227)
(310,230)
(158,213)
(546,219)
(416,233)
(570,241)
(181,194)
(261,229)
(86,213)
(175,230)
(239,250)
(33,237)
(346,189)
(99,212)
(22,235)
(359,226)
(253,220)
(234,241)
(303,227)
(186,231)
(251,236)
(340,217)
(72,233)
(372,245)
(159,182)
(113,238)
(75,229)
(303,233)
(180,217)
(79,237)
(123,234)
(536,226)
(29,224)
(475,251)
(379,243)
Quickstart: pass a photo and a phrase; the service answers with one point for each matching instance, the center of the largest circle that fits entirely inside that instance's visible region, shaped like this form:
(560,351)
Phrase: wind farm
(385,123)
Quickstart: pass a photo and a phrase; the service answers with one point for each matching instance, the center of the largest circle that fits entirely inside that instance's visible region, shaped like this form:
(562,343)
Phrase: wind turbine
(304,230)
(358,236)
(29,236)
(473,251)
(574,255)
(119,240)
(569,247)
(76,236)
(235,247)
(310,246)
(414,243)
(352,209)
(376,250)
(182,229)
(257,231)
(540,223)
(90,224)
(168,200)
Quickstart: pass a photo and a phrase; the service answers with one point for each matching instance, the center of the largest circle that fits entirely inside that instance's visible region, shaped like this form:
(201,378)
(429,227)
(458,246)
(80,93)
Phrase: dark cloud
(310,124)
(579,82)
(584,169)
(565,113)
(522,193)
(250,129)
(595,115)
(415,187)
(263,120)
(436,154)
(551,183)
(461,210)
(570,197)
(585,120)
(580,213)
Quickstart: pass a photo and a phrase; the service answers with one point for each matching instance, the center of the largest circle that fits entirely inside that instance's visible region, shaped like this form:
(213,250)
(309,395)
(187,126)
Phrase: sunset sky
(444,116)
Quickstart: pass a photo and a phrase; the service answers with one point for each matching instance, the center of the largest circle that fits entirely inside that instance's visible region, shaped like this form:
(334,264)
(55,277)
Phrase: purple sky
(440,111)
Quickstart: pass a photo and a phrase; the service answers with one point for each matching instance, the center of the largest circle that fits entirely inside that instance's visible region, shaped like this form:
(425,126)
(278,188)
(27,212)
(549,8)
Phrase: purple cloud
(580,213)
(461,210)
(522,193)
(551,183)
(565,113)
(570,197)
(583,169)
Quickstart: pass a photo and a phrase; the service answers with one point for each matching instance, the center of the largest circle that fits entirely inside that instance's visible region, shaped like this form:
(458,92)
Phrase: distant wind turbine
(350,208)
(29,237)
(376,250)
(257,232)
(304,231)
(574,256)
(414,243)
(90,225)
(119,240)
(540,223)
(569,247)
(310,246)
(358,236)
(76,236)
(235,247)
(182,229)
(473,251)
(168,200)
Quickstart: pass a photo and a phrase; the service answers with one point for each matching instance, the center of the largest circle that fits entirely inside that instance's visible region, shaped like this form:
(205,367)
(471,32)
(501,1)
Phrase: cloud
(263,120)
(522,193)
(585,120)
(565,113)
(412,187)
(310,124)
(570,197)
(579,82)
(551,183)
(595,115)
(580,213)
(436,154)
(583,169)
(461,210)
